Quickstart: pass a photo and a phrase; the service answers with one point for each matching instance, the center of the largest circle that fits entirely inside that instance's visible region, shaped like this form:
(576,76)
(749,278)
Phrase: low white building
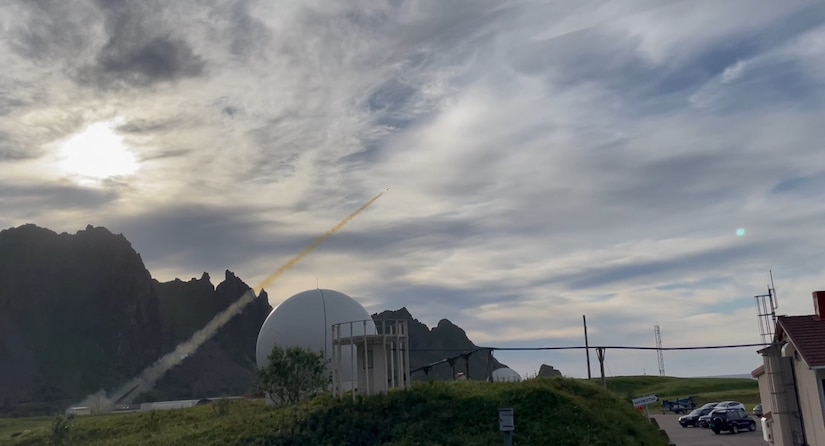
(79,410)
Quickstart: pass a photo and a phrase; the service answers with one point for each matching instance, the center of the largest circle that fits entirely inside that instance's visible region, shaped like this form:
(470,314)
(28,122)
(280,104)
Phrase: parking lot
(691,436)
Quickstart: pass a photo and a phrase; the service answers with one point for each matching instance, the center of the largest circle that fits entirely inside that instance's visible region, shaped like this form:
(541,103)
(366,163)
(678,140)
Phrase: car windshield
(696,412)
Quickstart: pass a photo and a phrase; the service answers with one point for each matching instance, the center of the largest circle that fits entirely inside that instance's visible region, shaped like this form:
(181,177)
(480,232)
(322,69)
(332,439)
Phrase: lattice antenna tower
(766,305)
(658,334)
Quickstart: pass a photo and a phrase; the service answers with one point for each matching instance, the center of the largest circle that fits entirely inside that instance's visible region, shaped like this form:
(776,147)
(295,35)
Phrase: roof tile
(808,336)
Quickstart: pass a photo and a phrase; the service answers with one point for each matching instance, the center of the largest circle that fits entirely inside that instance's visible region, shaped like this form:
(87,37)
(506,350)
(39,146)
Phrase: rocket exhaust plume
(147,379)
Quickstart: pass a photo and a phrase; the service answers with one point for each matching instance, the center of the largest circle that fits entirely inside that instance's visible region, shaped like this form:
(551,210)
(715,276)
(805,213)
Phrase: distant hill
(738,376)
(81,312)
(702,390)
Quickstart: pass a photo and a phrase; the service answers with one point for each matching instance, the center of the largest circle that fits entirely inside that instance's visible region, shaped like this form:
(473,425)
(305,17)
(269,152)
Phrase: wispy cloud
(545,159)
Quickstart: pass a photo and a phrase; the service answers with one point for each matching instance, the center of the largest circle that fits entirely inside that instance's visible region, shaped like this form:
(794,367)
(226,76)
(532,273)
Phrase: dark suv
(692,419)
(733,420)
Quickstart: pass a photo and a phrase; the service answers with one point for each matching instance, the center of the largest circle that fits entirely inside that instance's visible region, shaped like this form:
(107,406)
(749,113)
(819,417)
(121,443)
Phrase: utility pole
(600,354)
(658,334)
(586,346)
(490,365)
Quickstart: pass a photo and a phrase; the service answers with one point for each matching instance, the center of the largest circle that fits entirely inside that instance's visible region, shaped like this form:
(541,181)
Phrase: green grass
(703,390)
(15,428)
(547,411)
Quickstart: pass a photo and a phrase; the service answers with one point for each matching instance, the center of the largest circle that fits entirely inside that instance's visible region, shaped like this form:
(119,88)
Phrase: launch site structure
(380,360)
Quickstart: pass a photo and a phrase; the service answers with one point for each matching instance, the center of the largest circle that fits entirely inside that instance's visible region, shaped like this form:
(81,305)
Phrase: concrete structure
(79,410)
(170,405)
(506,374)
(305,320)
(792,379)
(380,360)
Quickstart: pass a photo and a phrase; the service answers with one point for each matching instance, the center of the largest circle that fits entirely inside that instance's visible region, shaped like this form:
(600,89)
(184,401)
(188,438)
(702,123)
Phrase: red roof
(807,333)
(759,371)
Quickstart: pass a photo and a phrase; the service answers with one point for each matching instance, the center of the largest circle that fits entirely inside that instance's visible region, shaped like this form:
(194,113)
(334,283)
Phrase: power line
(581,347)
(466,353)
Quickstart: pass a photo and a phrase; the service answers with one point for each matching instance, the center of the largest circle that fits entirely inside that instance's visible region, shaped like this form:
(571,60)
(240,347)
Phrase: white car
(730,405)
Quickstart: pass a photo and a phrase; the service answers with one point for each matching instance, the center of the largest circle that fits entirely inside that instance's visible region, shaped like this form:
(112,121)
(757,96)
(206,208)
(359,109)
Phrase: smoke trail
(147,379)
(271,278)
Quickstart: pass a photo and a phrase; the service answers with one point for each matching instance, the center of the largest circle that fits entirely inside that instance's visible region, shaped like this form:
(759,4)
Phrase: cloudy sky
(546,159)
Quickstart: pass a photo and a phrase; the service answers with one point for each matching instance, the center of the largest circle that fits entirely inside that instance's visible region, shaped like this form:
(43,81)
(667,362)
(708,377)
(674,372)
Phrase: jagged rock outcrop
(548,371)
(224,365)
(446,339)
(80,312)
(77,312)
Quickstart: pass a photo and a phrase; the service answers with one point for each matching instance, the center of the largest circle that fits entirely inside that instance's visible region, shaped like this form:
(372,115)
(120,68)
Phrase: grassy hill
(703,390)
(547,411)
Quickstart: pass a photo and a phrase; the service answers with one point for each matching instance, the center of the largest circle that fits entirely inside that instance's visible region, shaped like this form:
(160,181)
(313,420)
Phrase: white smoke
(147,379)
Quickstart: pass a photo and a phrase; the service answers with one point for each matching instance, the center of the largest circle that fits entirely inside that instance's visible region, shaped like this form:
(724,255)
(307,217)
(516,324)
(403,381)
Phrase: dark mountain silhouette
(80,313)
(446,340)
(77,313)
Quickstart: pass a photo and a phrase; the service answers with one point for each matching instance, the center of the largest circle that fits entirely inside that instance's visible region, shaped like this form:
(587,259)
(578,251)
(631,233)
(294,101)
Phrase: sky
(639,162)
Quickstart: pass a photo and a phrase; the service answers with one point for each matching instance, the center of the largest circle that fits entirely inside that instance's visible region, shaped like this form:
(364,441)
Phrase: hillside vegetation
(703,390)
(547,411)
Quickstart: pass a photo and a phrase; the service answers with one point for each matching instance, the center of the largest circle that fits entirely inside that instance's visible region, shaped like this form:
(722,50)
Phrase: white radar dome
(506,374)
(305,320)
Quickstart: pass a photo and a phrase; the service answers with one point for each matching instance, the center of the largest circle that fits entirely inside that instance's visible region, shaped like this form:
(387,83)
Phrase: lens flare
(740,232)
(147,379)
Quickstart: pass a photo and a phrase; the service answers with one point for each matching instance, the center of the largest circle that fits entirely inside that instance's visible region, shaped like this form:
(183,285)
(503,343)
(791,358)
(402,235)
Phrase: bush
(221,407)
(293,374)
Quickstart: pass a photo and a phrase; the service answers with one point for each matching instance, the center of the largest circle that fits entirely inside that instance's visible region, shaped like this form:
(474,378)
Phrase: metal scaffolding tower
(658,333)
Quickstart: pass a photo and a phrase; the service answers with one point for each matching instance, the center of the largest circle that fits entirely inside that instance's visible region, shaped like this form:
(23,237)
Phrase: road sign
(505,420)
(645,400)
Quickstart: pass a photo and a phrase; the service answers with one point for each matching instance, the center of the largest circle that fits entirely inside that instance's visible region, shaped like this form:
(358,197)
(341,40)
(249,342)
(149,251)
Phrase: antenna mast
(658,334)
(766,305)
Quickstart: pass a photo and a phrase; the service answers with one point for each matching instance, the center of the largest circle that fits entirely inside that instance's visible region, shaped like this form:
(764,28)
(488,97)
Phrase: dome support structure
(380,361)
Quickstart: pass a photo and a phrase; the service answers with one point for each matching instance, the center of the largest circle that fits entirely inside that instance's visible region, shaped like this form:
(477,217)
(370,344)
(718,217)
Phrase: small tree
(293,374)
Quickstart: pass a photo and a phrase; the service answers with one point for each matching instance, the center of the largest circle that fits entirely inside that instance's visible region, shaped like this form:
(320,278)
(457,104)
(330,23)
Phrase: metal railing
(367,336)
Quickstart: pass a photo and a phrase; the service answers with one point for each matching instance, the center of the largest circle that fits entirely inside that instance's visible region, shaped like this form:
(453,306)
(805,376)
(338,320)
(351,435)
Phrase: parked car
(692,419)
(732,420)
(704,420)
(731,405)
(757,410)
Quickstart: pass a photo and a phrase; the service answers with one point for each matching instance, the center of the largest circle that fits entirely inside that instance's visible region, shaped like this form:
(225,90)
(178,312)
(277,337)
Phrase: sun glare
(97,153)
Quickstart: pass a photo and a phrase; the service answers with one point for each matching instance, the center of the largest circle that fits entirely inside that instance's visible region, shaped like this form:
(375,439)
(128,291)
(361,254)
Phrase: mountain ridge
(80,312)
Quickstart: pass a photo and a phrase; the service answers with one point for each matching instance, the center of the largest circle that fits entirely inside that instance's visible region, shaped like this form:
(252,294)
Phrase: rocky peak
(445,340)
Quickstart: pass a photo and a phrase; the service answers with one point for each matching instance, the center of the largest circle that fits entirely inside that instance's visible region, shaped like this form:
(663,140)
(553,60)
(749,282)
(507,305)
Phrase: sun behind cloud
(97,153)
